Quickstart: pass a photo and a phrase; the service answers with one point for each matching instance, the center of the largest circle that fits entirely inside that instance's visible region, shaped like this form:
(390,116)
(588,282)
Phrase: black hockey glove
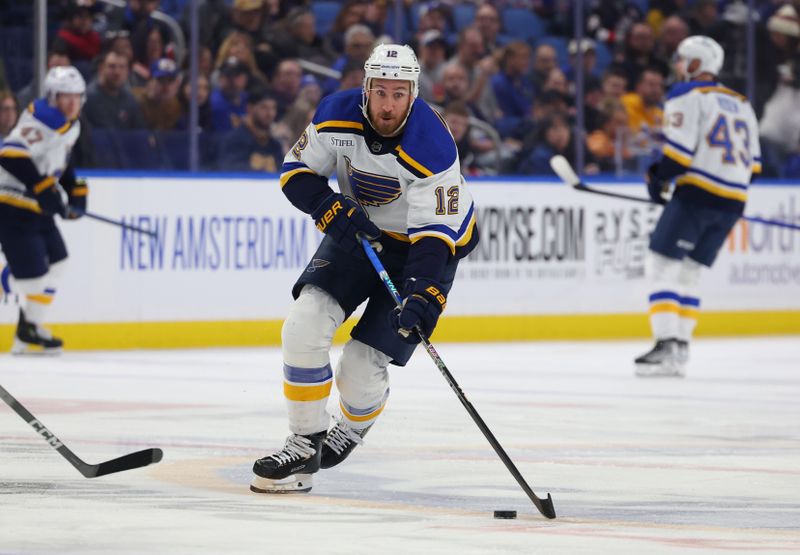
(342,218)
(50,201)
(76,200)
(656,187)
(422,305)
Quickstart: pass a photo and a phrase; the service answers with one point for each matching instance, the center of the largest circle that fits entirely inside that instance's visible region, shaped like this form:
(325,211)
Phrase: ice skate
(31,339)
(289,470)
(664,359)
(340,442)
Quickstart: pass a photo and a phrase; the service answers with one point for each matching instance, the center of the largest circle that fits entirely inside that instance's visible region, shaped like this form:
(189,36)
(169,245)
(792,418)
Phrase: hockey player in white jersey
(711,147)
(34,167)
(399,184)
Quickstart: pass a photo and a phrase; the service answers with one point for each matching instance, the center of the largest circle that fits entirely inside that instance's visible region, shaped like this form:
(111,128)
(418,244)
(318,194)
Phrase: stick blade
(547,509)
(564,170)
(138,459)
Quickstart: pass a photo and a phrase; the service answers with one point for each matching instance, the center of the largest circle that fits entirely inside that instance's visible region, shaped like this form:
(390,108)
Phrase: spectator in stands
(673,31)
(589,51)
(286,84)
(704,18)
(640,54)
(376,16)
(109,102)
(57,57)
(643,105)
(229,100)
(432,55)
(159,98)
(556,81)
(513,86)
(480,67)
(358,42)
(780,124)
(592,99)
(203,103)
(119,42)
(614,82)
(470,145)
(352,76)
(239,45)
(554,137)
(9,112)
(77,37)
(257,20)
(487,21)
(297,38)
(608,144)
(353,13)
(545,59)
(455,85)
(299,114)
(434,16)
(251,147)
(149,46)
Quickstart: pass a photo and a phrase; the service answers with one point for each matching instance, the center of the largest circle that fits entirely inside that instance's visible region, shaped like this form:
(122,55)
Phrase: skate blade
(20,348)
(297,483)
(659,371)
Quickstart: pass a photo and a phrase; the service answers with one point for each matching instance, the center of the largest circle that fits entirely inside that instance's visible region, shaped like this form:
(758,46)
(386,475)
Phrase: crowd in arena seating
(502,73)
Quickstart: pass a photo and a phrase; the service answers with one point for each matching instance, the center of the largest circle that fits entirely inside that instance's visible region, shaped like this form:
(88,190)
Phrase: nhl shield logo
(375,146)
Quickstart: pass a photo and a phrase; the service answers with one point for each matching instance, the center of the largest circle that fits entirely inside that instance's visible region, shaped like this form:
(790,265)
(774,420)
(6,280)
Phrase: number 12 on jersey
(451,201)
(720,137)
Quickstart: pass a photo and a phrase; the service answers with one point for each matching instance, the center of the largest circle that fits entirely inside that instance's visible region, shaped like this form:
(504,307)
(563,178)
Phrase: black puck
(505,514)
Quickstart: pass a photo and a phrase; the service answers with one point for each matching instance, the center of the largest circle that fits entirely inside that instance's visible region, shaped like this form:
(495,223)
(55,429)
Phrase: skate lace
(340,437)
(296,448)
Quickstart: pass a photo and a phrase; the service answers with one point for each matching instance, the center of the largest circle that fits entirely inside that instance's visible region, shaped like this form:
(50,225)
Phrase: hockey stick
(565,172)
(125,462)
(545,506)
(123,225)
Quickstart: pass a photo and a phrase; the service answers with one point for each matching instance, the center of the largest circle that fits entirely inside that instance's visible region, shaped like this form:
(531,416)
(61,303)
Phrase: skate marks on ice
(705,464)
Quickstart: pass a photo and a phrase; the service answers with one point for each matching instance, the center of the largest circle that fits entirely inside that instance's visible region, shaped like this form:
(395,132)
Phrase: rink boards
(553,263)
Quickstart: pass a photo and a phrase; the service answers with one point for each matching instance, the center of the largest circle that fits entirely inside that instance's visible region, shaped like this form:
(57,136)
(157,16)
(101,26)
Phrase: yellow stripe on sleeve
(23,203)
(13,152)
(44,184)
(286,176)
(41,299)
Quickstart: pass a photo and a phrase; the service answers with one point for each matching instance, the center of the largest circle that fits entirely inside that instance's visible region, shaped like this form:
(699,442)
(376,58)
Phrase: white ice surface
(705,464)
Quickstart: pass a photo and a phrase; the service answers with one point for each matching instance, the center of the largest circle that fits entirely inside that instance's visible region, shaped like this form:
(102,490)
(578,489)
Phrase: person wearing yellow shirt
(643,105)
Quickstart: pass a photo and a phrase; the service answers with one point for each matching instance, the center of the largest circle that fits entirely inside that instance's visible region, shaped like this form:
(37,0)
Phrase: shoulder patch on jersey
(50,116)
(340,113)
(427,147)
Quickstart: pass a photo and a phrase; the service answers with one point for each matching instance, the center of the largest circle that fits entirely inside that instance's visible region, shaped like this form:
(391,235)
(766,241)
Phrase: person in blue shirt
(251,146)
(512,85)
(229,100)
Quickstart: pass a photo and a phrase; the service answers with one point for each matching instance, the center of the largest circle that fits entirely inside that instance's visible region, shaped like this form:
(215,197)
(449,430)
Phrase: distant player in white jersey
(400,184)
(711,147)
(34,167)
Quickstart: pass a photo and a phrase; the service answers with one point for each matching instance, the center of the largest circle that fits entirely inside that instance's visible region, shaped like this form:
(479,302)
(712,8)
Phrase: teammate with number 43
(34,167)
(399,186)
(711,147)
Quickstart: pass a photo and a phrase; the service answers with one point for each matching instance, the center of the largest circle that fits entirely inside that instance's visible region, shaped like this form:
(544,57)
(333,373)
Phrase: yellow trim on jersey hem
(399,236)
(286,176)
(307,392)
(22,203)
(363,417)
(676,155)
(711,187)
(723,90)
(340,123)
(526,327)
(14,152)
(444,237)
(413,163)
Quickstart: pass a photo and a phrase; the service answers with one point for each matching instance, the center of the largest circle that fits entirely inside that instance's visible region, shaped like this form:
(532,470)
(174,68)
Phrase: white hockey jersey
(46,137)
(713,132)
(411,187)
